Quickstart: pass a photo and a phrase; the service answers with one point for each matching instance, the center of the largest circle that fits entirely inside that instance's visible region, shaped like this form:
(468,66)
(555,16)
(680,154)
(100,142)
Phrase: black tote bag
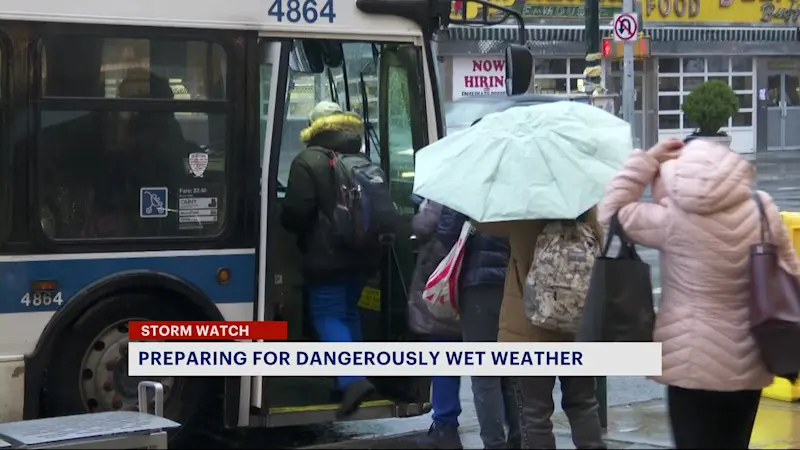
(619,304)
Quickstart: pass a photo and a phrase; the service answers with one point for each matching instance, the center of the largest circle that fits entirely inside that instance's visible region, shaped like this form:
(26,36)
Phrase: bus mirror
(519,69)
(333,54)
(306,57)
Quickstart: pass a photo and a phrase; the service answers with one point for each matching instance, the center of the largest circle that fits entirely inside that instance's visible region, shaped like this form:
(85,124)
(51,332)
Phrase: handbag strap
(626,249)
(766,233)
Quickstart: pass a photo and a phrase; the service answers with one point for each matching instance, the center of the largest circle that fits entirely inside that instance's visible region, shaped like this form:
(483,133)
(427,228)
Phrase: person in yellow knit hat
(334,276)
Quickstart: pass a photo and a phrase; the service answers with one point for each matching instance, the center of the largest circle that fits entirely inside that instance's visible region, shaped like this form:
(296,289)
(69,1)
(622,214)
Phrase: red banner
(207,331)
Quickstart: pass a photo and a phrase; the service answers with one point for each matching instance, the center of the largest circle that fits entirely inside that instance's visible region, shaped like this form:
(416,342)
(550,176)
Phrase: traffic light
(614,50)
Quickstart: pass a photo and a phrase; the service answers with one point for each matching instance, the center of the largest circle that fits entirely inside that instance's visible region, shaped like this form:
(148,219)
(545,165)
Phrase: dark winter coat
(420,320)
(486,259)
(311,198)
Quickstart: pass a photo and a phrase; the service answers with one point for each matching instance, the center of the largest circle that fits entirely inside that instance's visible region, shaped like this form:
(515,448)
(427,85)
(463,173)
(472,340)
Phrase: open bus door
(382,83)
(364,77)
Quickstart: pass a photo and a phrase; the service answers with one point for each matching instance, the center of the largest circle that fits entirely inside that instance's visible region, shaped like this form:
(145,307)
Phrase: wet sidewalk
(643,426)
(646,425)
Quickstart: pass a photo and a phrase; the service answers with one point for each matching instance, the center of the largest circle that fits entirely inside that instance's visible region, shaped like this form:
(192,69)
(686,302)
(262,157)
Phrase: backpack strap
(337,170)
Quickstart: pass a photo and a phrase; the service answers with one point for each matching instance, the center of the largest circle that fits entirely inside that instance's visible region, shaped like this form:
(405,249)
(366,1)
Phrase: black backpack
(365,215)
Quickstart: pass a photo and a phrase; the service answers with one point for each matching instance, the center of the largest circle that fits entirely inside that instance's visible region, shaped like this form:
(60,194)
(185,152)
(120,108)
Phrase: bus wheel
(88,370)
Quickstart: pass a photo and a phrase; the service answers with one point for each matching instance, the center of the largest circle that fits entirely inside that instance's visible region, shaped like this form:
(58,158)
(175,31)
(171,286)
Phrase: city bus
(144,155)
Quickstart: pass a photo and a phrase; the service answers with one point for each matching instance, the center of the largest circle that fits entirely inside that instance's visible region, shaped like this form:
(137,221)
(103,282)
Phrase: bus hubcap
(105,384)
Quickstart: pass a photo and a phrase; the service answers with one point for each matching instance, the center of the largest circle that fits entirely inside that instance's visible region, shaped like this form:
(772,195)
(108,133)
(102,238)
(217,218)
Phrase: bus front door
(381,83)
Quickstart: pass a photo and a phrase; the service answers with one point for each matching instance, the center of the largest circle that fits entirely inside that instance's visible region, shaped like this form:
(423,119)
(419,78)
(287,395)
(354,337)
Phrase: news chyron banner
(177,349)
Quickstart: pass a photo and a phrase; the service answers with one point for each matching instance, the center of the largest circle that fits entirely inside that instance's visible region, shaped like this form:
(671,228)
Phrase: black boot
(441,435)
(352,397)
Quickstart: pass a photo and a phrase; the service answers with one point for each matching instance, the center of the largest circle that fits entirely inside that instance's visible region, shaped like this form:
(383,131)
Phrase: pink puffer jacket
(703,224)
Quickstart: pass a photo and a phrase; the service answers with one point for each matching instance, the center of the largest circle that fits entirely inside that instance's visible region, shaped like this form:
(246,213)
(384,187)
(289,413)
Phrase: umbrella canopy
(548,161)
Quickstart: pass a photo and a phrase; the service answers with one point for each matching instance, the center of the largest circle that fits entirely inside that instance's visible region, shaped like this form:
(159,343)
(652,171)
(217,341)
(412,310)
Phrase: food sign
(764,12)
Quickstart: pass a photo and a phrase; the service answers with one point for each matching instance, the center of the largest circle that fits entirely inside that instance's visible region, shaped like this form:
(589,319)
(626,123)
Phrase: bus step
(106,430)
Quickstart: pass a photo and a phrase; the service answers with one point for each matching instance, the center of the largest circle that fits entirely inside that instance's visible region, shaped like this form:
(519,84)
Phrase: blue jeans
(446,395)
(334,312)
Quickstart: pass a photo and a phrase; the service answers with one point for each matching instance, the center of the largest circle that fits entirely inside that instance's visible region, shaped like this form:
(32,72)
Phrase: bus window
(95,67)
(362,75)
(401,145)
(138,165)
(403,112)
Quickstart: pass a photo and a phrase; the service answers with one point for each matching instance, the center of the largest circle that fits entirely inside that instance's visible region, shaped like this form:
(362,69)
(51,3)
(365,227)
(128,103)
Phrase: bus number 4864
(41,298)
(307,11)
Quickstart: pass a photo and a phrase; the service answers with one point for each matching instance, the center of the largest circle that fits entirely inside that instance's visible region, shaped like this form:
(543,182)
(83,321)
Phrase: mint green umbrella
(546,161)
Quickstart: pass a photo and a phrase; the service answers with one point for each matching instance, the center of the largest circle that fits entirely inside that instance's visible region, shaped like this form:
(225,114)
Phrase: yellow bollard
(782,389)
(792,222)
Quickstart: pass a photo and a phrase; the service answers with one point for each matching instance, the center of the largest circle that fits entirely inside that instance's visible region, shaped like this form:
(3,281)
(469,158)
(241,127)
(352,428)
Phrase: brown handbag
(774,304)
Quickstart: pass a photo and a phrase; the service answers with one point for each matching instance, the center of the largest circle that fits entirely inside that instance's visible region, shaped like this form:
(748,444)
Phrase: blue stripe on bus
(72,275)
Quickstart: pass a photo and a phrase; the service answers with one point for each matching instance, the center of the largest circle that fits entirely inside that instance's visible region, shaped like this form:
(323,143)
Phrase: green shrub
(710,105)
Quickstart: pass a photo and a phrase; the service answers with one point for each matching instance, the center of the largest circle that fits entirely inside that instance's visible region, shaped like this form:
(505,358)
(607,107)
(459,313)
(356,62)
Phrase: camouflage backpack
(558,280)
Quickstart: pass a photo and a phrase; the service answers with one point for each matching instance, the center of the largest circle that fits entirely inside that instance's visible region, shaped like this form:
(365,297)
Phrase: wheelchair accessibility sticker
(153,202)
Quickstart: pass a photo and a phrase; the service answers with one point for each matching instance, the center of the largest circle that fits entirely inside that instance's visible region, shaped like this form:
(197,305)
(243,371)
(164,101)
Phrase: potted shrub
(709,106)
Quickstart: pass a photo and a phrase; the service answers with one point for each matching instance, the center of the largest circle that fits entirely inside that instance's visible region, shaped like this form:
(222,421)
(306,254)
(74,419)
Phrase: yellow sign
(767,12)
(774,12)
(370,299)
(536,9)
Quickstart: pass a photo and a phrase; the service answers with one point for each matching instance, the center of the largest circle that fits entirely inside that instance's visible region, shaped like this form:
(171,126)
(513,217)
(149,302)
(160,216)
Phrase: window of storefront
(557,76)
(677,77)
(615,81)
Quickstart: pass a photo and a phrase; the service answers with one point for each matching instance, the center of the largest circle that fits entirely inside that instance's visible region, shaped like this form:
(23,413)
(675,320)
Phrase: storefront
(752,46)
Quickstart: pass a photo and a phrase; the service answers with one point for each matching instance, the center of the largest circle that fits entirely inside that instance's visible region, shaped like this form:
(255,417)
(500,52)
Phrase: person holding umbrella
(517,174)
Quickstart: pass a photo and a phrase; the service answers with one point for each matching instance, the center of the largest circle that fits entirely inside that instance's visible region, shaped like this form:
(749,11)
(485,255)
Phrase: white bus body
(54,283)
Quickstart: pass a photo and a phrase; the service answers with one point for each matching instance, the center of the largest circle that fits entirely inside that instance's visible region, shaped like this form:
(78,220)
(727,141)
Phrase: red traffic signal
(614,50)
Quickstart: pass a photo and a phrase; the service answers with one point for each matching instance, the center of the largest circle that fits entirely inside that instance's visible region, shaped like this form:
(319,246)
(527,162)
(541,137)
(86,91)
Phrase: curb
(401,441)
(378,440)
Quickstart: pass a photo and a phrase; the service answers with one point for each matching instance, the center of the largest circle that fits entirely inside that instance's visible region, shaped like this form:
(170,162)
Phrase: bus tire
(87,371)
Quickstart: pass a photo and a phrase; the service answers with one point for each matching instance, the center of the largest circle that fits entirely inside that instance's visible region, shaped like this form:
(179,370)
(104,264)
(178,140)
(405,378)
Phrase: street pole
(592,38)
(592,74)
(628,81)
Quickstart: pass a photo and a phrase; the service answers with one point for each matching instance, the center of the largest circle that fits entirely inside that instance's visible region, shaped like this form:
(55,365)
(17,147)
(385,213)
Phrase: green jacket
(311,198)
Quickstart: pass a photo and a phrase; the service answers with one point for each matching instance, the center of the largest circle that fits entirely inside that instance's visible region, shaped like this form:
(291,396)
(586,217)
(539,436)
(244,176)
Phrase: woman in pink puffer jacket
(703,222)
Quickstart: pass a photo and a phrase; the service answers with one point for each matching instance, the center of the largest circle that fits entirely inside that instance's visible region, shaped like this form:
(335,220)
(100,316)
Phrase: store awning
(660,34)
(568,40)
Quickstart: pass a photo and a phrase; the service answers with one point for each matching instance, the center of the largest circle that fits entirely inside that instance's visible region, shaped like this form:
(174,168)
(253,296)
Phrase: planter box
(722,140)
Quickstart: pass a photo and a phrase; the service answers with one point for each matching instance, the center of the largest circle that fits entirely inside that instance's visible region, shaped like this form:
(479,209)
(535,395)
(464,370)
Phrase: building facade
(754,46)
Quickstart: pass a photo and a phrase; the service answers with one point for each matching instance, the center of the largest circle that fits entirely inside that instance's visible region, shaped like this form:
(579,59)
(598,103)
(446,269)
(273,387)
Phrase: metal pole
(593,73)
(628,86)
(592,38)
(602,400)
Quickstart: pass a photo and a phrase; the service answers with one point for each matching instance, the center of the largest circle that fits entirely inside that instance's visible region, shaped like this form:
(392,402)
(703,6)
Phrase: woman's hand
(666,150)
